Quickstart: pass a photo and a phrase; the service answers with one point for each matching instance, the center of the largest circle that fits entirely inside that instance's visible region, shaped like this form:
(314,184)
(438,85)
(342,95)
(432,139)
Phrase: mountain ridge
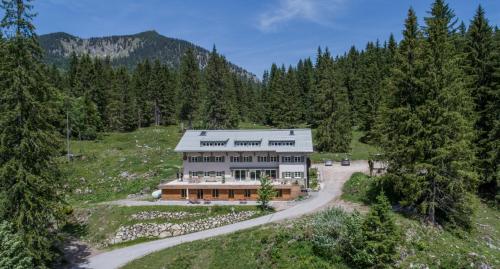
(125,50)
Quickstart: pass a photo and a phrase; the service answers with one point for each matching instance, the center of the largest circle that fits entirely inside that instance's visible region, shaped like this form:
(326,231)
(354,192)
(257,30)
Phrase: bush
(362,242)
(337,235)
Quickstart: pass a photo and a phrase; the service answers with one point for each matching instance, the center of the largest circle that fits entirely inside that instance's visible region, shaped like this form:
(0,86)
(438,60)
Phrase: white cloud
(317,11)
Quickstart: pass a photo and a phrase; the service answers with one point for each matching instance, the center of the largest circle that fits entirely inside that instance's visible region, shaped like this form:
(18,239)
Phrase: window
(286,159)
(195,159)
(235,159)
(183,193)
(263,159)
(199,194)
(247,159)
(298,174)
(196,173)
(219,159)
(220,173)
(215,193)
(287,174)
(248,193)
(282,143)
(206,159)
(231,194)
(207,174)
(279,193)
(298,159)
(273,159)
(213,143)
(247,143)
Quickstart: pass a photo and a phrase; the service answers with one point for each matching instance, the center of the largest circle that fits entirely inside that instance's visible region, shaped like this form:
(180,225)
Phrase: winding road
(333,179)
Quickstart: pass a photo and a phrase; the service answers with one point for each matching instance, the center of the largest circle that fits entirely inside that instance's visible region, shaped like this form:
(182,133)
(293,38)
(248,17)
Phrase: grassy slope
(268,246)
(258,247)
(146,153)
(359,150)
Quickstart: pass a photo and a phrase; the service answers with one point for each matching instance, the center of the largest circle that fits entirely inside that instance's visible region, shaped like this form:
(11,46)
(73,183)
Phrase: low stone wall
(149,215)
(162,230)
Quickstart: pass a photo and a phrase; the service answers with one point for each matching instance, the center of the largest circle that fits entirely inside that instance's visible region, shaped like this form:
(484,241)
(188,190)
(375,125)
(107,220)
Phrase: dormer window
(282,143)
(246,143)
(213,143)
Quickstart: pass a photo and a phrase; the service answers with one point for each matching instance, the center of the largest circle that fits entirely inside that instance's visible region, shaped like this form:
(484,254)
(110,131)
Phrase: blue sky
(252,34)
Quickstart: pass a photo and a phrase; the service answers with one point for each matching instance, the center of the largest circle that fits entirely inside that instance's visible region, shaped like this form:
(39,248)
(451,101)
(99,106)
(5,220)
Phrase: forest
(430,101)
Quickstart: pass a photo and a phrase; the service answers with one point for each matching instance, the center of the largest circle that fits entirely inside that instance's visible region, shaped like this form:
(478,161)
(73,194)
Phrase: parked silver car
(345,162)
(328,162)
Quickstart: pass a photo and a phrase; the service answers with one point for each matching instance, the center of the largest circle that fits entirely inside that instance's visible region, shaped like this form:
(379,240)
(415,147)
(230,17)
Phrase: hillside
(125,50)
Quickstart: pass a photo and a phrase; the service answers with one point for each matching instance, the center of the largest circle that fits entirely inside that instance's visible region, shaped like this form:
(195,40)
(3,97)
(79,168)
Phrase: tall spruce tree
(334,123)
(220,110)
(190,87)
(480,68)
(30,184)
(428,123)
(162,85)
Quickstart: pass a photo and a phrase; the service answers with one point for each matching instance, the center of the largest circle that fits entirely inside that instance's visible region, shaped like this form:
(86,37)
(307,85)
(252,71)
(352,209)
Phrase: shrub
(337,235)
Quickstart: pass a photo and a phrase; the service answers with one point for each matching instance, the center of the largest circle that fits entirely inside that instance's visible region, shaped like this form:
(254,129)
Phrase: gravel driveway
(332,177)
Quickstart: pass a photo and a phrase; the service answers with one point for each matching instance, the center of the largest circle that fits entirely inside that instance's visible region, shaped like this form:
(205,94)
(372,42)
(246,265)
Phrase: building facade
(227,164)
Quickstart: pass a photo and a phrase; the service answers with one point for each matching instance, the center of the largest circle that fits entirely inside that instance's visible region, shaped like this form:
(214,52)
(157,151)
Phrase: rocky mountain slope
(125,50)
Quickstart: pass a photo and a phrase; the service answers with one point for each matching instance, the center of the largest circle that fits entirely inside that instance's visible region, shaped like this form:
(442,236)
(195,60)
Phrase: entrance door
(199,194)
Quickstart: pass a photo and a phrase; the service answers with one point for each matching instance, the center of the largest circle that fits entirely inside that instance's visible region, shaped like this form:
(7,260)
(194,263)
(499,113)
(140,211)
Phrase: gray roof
(302,140)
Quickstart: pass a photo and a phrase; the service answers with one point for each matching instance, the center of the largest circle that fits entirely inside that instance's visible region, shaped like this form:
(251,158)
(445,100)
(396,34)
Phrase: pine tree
(30,185)
(480,68)
(220,110)
(380,234)
(305,76)
(428,125)
(143,92)
(334,128)
(162,85)
(190,86)
(14,255)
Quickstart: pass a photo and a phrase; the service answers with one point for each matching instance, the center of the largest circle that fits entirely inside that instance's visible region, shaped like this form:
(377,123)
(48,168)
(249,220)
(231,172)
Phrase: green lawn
(104,220)
(359,150)
(285,245)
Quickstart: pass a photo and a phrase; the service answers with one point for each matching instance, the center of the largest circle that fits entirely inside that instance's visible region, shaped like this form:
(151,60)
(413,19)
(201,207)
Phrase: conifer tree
(30,185)
(190,87)
(162,85)
(480,68)
(380,235)
(427,124)
(220,110)
(14,255)
(334,123)
(305,77)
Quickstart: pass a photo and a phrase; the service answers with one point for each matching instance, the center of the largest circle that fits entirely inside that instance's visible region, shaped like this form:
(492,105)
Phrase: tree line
(93,97)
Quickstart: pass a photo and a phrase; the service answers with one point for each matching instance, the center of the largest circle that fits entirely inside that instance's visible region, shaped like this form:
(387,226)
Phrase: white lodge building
(227,164)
